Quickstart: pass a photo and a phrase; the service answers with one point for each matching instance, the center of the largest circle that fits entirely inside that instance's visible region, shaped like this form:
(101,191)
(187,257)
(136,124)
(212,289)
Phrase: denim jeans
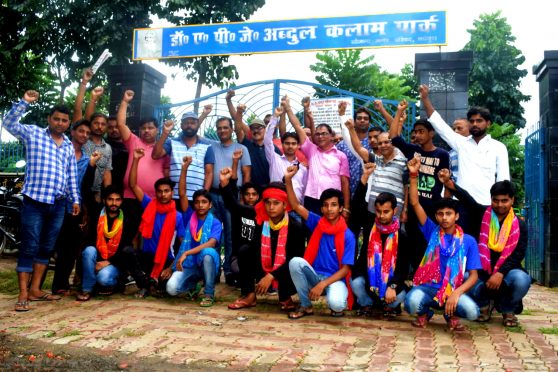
(106,277)
(224,216)
(420,299)
(182,281)
(305,278)
(514,287)
(367,298)
(40,225)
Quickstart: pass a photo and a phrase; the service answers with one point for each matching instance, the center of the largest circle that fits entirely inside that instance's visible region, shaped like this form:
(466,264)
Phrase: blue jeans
(224,216)
(420,299)
(106,277)
(40,225)
(182,281)
(305,278)
(366,298)
(514,287)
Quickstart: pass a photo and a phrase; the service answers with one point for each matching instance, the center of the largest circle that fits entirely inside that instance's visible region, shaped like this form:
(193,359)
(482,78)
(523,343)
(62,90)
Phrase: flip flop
(337,314)
(207,301)
(83,296)
(22,306)
(240,303)
(301,312)
(45,297)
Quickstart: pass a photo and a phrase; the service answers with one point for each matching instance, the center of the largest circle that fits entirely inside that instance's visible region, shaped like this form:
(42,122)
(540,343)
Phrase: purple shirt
(325,168)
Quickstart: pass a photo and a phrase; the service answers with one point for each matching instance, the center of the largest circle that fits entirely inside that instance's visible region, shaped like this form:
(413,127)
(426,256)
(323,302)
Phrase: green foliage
(495,78)
(549,330)
(410,79)
(10,153)
(506,134)
(344,69)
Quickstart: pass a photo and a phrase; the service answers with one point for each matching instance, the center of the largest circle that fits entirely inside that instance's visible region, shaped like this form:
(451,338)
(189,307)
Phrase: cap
(189,115)
(257,121)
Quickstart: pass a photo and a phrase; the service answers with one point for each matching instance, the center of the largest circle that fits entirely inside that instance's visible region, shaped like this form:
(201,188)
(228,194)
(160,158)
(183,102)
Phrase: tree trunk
(201,82)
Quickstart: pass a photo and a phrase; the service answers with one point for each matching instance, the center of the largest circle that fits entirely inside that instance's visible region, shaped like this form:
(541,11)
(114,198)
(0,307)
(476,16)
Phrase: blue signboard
(368,31)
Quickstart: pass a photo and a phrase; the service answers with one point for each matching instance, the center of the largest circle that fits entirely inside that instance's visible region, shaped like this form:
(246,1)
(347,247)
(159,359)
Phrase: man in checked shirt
(50,177)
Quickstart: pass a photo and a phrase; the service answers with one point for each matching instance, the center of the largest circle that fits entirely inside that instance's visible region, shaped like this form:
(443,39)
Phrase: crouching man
(329,254)
(439,281)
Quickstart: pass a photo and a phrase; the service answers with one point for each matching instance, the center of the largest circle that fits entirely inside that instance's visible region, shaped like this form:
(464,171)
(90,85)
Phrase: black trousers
(69,246)
(250,265)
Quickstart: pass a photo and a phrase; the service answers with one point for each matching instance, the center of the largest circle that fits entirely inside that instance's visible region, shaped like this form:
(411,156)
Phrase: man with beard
(150,169)
(199,175)
(482,160)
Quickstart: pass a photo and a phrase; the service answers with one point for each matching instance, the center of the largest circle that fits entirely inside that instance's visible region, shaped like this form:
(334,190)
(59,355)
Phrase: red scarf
(167,232)
(338,231)
(269,264)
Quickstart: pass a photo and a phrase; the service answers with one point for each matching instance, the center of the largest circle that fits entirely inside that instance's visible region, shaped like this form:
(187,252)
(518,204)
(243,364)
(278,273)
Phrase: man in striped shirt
(50,176)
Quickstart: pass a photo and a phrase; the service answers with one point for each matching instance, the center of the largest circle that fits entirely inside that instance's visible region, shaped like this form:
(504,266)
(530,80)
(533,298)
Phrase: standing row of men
(337,206)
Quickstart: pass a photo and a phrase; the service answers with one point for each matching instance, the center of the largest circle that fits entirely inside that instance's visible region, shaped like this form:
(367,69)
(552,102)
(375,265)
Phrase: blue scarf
(196,260)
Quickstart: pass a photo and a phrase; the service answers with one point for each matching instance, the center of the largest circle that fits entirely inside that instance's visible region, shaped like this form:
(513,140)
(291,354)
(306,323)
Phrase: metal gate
(262,96)
(535,205)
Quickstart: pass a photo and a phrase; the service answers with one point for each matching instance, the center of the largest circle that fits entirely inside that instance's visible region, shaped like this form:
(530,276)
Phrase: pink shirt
(149,170)
(325,169)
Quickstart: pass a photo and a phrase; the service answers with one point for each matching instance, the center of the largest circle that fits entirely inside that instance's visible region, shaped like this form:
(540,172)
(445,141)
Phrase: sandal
(510,320)
(83,296)
(193,293)
(22,306)
(422,320)
(365,311)
(62,292)
(389,313)
(45,297)
(485,314)
(142,293)
(454,324)
(207,301)
(301,312)
(241,303)
(337,314)
(288,305)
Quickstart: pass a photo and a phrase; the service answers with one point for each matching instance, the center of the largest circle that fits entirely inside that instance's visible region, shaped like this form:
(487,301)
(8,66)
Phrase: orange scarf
(338,231)
(167,232)
(108,249)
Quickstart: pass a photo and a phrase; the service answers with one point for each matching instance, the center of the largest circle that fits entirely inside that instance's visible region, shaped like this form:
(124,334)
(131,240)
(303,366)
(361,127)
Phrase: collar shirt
(51,170)
(480,164)
(103,164)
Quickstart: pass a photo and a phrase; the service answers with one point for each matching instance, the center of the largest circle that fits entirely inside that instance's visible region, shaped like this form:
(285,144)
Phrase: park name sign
(367,31)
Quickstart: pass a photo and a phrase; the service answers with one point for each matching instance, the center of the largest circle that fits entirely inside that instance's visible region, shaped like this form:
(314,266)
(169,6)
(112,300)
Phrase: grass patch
(549,330)
(528,312)
(518,329)
(74,332)
(133,333)
(50,334)
(9,283)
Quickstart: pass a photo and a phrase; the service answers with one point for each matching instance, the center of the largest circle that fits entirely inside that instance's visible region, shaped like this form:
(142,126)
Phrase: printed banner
(325,111)
(367,31)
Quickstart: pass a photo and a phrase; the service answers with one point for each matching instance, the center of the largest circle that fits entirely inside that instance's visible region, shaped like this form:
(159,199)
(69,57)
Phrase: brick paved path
(263,339)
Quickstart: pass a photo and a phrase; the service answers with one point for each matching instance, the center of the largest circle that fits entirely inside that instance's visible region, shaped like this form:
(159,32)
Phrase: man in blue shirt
(160,223)
(50,177)
(440,280)
(329,254)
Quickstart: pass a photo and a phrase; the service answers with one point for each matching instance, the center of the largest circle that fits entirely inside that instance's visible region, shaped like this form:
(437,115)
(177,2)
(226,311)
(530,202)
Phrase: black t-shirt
(243,217)
(430,188)
(260,167)
(119,163)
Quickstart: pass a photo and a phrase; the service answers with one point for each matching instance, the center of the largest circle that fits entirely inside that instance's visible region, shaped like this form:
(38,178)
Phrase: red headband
(270,193)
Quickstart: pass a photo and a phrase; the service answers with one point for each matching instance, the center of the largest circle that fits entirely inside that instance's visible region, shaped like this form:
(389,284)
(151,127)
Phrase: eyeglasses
(322,134)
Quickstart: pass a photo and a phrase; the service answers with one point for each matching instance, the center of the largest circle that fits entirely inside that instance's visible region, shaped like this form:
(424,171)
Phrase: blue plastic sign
(367,31)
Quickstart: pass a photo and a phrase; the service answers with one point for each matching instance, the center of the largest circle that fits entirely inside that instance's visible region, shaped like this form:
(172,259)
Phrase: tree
(344,69)
(495,78)
(214,70)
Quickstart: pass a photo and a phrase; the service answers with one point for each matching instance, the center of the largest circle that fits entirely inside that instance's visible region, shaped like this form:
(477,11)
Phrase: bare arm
(205,113)
(107,178)
(96,94)
(78,112)
(282,124)
(246,173)
(208,176)
(414,166)
(121,115)
(230,106)
(133,181)
(379,106)
(355,141)
(186,161)
(294,120)
(237,155)
(394,126)
(293,200)
(345,189)
(159,148)
(240,128)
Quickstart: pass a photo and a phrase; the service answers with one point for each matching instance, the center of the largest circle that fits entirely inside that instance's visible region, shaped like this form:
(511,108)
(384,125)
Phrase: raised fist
(168,126)
(241,108)
(139,153)
(87,75)
(186,161)
(225,175)
(444,175)
(285,102)
(31,96)
(306,103)
(423,91)
(207,109)
(128,96)
(94,158)
(237,154)
(402,106)
(414,164)
(278,111)
(369,168)
(97,92)
(378,104)
(350,124)
(230,94)
(291,171)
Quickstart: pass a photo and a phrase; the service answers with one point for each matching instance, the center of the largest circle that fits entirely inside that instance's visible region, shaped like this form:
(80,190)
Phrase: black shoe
(519,309)
(231,280)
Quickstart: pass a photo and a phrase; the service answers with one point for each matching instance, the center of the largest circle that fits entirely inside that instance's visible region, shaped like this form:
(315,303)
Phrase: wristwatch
(393,286)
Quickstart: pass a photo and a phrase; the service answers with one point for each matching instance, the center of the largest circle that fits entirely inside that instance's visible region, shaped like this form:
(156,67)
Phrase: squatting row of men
(437,230)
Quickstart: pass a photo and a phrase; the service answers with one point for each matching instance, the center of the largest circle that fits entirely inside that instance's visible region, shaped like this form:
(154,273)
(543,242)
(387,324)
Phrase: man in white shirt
(482,160)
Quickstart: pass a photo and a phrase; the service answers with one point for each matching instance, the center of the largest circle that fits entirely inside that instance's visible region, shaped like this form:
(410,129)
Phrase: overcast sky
(532,23)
